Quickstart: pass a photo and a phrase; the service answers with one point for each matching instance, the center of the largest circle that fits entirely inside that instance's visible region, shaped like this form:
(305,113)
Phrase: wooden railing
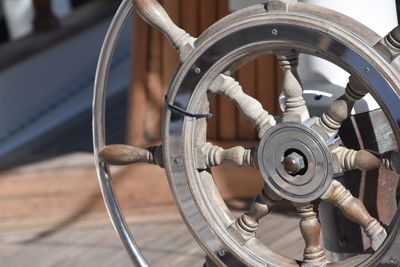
(44,17)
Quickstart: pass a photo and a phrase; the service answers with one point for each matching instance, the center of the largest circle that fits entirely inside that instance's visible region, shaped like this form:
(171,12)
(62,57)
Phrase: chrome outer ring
(99,139)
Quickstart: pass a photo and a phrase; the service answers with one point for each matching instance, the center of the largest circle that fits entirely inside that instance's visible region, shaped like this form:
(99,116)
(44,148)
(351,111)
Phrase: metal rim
(99,102)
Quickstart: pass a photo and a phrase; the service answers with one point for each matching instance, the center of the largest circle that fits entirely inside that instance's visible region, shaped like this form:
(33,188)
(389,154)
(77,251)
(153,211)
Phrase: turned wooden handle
(124,155)
(236,155)
(154,14)
(363,160)
(310,229)
(250,107)
(341,108)
(295,106)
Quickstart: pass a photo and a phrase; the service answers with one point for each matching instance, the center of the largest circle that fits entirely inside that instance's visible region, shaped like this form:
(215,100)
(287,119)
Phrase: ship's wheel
(299,156)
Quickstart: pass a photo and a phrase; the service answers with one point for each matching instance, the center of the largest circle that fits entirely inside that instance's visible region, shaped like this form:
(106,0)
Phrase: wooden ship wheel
(299,156)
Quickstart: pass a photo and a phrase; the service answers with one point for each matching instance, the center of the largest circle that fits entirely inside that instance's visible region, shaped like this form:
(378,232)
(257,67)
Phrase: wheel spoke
(124,155)
(152,12)
(353,209)
(349,159)
(311,231)
(210,155)
(260,207)
(341,108)
(248,106)
(295,106)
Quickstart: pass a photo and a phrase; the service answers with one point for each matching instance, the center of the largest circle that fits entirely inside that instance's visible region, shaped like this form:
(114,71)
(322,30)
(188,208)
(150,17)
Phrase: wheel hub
(295,162)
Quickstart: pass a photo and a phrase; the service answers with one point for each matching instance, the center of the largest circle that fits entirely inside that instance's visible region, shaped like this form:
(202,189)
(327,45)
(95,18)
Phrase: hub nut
(294,163)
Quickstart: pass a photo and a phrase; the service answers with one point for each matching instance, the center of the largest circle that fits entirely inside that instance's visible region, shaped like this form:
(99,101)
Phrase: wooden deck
(164,239)
(93,242)
(52,214)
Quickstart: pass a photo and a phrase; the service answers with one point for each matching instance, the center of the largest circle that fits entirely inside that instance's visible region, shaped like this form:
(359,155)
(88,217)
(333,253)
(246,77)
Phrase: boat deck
(52,215)
(162,236)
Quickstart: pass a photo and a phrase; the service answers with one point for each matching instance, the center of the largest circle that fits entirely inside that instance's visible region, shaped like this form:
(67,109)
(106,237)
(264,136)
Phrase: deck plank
(162,236)
(52,214)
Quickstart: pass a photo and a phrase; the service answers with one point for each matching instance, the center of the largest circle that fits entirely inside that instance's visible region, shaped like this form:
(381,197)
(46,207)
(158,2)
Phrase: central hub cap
(295,162)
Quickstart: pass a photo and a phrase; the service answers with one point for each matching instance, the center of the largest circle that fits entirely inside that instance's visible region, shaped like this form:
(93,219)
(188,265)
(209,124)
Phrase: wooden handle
(250,107)
(310,229)
(260,207)
(354,210)
(154,14)
(341,108)
(238,155)
(295,105)
(350,159)
(124,155)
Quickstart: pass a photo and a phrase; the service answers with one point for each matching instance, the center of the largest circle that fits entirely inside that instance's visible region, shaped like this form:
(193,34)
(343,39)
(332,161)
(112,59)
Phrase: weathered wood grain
(137,93)
(159,231)
(247,79)
(170,57)
(155,91)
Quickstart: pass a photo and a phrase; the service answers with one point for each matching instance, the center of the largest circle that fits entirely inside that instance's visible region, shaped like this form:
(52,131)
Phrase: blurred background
(51,210)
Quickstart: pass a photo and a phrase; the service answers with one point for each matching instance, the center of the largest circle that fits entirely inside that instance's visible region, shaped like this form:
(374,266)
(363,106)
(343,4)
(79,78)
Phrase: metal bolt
(274,32)
(394,37)
(221,253)
(366,70)
(294,163)
(318,97)
(342,242)
(177,161)
(197,70)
